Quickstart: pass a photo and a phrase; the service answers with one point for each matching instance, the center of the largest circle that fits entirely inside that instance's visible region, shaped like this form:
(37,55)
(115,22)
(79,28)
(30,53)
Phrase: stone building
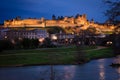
(3,33)
(62,38)
(20,34)
(80,21)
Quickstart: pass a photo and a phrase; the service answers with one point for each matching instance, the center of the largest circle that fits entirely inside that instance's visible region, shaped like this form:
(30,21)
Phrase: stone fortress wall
(80,21)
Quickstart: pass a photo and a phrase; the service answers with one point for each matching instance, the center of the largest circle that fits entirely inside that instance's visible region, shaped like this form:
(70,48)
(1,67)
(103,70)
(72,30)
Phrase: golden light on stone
(66,22)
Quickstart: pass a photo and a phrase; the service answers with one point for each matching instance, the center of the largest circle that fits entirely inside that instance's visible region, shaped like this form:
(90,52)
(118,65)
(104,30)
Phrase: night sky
(46,8)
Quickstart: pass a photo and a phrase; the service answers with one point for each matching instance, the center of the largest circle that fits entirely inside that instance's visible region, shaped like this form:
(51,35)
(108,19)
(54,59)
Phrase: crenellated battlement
(80,20)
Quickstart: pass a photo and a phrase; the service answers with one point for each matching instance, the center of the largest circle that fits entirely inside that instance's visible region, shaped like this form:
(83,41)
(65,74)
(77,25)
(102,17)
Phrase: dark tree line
(57,18)
(47,43)
(29,43)
(113,14)
(25,44)
(19,44)
(5,45)
(54,17)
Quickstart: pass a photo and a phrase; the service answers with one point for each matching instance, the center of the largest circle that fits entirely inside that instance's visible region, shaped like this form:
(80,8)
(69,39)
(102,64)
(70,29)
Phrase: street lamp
(41,40)
(6,37)
(54,37)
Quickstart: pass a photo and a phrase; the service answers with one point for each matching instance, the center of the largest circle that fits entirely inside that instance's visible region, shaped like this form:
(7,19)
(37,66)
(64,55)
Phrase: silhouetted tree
(5,45)
(90,32)
(116,41)
(17,44)
(53,17)
(113,12)
(29,43)
(47,43)
(77,15)
(18,18)
(26,43)
(35,43)
(58,18)
(80,56)
(61,17)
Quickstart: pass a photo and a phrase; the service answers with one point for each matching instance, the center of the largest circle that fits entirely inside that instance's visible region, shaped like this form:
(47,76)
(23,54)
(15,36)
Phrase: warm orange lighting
(54,37)
(66,40)
(109,43)
(41,40)
(20,38)
(13,41)
(5,37)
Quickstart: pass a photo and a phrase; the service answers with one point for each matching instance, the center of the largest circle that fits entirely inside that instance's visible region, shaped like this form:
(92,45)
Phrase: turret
(84,16)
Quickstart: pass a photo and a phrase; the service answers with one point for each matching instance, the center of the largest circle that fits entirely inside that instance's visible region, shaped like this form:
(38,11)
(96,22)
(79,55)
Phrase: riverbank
(50,56)
(63,72)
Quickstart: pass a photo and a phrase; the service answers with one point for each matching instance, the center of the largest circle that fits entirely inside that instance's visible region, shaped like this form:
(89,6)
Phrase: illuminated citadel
(80,21)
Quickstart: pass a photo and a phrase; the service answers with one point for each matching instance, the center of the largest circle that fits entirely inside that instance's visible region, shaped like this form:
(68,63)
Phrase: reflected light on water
(69,72)
(118,71)
(102,69)
(117,59)
(94,70)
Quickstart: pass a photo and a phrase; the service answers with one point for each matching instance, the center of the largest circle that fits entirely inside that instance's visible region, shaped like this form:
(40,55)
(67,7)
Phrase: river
(94,70)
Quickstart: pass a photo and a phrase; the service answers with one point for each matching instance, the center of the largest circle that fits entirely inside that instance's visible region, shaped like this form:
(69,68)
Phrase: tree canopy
(113,11)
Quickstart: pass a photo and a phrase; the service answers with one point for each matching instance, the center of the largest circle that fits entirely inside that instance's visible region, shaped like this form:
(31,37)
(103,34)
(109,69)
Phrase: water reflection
(117,59)
(58,73)
(118,71)
(102,69)
(94,70)
(69,72)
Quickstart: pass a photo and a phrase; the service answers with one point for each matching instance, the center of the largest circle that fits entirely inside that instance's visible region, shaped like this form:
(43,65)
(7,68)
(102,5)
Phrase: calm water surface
(94,70)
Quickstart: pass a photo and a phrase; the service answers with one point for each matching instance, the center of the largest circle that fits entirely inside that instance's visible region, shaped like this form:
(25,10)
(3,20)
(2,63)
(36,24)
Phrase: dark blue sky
(46,8)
